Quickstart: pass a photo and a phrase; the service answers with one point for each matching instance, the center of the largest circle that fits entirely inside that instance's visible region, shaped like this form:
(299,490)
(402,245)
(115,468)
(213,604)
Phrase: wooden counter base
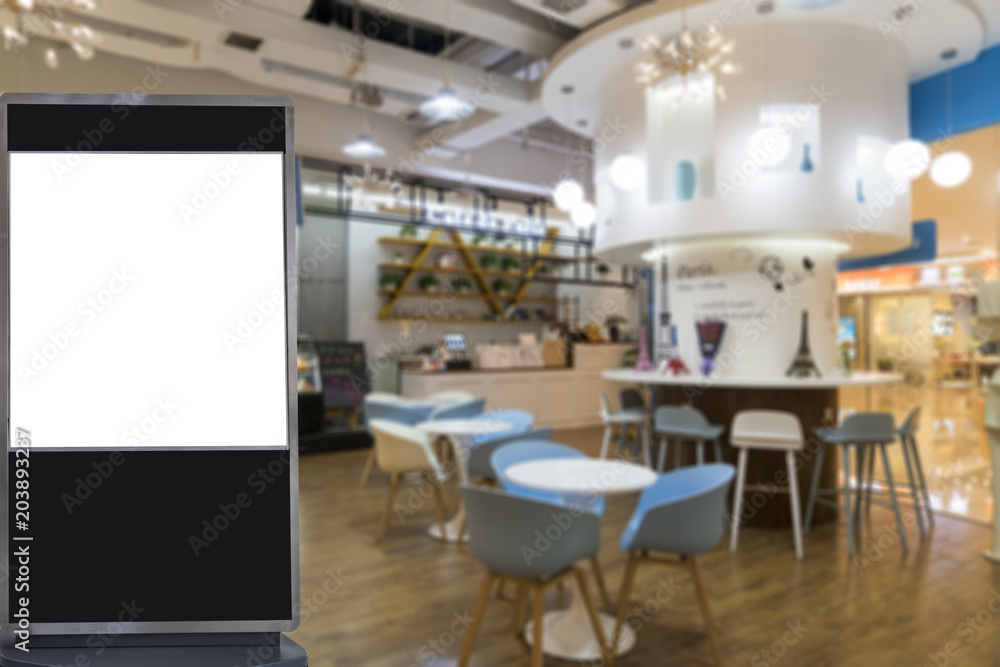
(814,407)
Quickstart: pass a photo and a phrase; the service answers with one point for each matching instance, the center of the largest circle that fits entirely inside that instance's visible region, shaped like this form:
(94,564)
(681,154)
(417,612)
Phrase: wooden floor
(397,604)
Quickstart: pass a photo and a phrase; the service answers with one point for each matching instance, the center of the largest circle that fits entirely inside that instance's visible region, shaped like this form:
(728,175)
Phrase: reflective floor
(952,442)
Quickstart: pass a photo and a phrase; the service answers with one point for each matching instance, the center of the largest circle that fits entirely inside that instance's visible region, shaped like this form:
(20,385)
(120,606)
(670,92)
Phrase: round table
(568,633)
(460,433)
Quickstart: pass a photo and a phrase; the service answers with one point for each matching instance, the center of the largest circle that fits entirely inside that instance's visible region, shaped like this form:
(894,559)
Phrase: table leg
(569,635)
(454,528)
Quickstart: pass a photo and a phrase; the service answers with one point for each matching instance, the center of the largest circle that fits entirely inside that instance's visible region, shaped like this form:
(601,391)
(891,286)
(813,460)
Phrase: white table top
(581,476)
(832,381)
(464,426)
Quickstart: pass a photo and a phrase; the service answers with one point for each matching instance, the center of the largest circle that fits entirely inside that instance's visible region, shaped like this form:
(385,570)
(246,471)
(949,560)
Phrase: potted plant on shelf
(511,264)
(479,237)
(884,364)
(613,323)
(408,231)
(602,270)
(389,281)
(462,285)
(489,262)
(429,282)
(398,258)
(499,238)
(502,287)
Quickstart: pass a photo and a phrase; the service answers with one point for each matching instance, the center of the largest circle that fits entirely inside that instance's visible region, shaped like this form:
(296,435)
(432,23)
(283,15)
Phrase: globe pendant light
(567,194)
(583,214)
(628,172)
(953,168)
(907,160)
(446,105)
(770,144)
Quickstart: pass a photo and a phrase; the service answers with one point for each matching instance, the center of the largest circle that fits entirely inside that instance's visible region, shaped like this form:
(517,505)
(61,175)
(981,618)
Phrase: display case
(310,387)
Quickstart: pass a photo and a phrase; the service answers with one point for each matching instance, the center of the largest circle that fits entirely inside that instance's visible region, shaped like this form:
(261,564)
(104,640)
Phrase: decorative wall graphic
(685,180)
(710,334)
(807,163)
(803,365)
(742,253)
(772,269)
(808,264)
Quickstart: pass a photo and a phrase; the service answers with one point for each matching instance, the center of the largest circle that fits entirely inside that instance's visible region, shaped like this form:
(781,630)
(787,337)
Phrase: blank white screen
(159,357)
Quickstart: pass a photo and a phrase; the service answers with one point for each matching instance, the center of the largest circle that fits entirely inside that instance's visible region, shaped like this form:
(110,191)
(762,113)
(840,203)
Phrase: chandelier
(688,55)
(24,19)
(370,188)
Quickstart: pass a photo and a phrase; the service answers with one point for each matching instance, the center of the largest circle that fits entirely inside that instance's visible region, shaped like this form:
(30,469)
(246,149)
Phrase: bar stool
(768,430)
(864,431)
(911,457)
(622,419)
(686,425)
(631,400)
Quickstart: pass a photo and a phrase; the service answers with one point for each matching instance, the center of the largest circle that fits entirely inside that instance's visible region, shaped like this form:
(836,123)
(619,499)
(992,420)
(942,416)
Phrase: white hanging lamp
(446,105)
(953,168)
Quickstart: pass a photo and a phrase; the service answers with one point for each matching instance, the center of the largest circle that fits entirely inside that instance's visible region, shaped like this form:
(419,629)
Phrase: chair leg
(620,449)
(662,458)
(706,610)
(860,455)
(793,494)
(847,499)
(741,472)
(923,482)
(538,609)
(914,490)
(519,610)
(387,514)
(871,481)
(623,598)
(439,507)
(811,505)
(501,583)
(606,441)
(595,620)
(895,502)
(677,455)
(717,447)
(700,452)
(477,616)
(369,465)
(601,587)
(646,436)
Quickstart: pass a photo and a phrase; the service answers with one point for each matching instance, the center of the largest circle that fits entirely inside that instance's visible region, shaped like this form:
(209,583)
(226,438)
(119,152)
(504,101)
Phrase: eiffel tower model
(803,364)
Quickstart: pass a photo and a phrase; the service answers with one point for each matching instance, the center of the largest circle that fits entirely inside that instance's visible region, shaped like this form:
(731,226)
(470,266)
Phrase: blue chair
(532,450)
(466,410)
(388,409)
(500,524)
(479,465)
(682,513)
(519,420)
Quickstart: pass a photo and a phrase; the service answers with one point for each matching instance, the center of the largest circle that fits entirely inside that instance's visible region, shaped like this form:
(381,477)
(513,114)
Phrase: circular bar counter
(813,400)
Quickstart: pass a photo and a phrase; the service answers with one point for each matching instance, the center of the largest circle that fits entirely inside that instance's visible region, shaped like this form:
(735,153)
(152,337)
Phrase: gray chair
(682,513)
(387,407)
(479,456)
(865,432)
(622,419)
(685,425)
(466,410)
(499,525)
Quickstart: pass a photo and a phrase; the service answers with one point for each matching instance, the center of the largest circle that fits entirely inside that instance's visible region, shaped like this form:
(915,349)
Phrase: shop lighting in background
(583,214)
(363,148)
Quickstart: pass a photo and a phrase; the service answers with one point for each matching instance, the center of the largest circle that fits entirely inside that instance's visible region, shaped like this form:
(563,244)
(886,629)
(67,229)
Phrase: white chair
(451,397)
(768,430)
(622,419)
(405,453)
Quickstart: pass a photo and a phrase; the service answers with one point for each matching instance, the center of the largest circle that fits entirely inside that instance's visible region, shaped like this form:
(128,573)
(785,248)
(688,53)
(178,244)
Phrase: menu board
(345,376)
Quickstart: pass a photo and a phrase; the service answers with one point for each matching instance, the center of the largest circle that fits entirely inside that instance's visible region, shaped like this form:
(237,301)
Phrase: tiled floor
(952,442)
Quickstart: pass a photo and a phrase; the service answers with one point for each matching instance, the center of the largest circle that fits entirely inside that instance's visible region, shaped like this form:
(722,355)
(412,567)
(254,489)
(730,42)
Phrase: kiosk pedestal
(286,654)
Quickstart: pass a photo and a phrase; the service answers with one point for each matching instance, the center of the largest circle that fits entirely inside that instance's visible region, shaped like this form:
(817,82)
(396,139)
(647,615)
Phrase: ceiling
(499,51)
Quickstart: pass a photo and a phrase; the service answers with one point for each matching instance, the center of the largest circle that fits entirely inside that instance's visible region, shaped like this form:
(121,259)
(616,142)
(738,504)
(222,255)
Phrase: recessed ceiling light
(765,7)
(809,4)
(581,122)
(626,43)
(949,54)
(568,89)
(903,13)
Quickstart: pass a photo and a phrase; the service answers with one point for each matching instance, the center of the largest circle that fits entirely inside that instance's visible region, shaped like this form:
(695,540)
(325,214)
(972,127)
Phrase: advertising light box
(151,470)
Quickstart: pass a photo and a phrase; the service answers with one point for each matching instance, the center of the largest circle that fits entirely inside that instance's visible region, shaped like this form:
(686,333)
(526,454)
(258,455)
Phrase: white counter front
(832,381)
(557,397)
